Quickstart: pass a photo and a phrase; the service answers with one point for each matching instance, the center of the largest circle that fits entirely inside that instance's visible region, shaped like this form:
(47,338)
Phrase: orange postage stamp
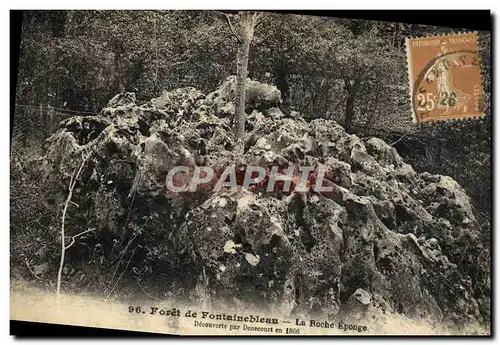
(445,77)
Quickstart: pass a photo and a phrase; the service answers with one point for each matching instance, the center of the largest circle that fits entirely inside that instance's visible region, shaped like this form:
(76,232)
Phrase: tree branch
(257,17)
(121,275)
(74,179)
(231,27)
(31,271)
(181,62)
(73,238)
(397,141)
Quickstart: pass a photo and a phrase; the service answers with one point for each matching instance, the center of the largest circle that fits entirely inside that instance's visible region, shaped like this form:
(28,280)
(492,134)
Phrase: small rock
(252,259)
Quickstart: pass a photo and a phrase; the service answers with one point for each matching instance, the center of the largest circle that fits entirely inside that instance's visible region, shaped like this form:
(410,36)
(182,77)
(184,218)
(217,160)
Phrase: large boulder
(387,237)
(258,95)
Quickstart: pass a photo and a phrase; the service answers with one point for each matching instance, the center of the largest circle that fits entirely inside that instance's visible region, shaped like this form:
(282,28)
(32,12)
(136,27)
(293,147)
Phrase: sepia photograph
(237,172)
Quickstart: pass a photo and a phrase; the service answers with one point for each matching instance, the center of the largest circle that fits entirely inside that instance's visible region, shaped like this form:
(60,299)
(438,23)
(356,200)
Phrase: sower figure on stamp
(449,96)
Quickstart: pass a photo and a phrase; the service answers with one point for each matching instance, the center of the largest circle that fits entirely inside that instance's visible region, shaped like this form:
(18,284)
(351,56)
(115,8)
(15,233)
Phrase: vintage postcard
(250,173)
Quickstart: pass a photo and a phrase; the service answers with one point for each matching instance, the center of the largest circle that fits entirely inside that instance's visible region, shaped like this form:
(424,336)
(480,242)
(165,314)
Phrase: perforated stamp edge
(409,70)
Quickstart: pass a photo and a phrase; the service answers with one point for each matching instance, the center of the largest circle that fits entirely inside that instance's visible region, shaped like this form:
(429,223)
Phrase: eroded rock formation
(387,237)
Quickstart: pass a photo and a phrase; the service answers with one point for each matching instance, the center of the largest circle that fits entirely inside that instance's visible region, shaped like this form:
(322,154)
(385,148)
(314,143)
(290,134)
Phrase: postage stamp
(445,77)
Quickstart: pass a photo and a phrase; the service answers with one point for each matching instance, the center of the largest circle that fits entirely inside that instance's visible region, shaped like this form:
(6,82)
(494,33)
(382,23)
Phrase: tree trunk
(281,71)
(351,89)
(241,77)
(349,112)
(281,67)
(246,34)
(437,159)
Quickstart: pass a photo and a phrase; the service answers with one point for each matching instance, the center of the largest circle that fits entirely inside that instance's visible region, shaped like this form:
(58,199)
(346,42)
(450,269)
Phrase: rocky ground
(387,237)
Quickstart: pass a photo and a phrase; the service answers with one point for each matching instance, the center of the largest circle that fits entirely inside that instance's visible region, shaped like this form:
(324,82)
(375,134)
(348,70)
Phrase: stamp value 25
(445,77)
